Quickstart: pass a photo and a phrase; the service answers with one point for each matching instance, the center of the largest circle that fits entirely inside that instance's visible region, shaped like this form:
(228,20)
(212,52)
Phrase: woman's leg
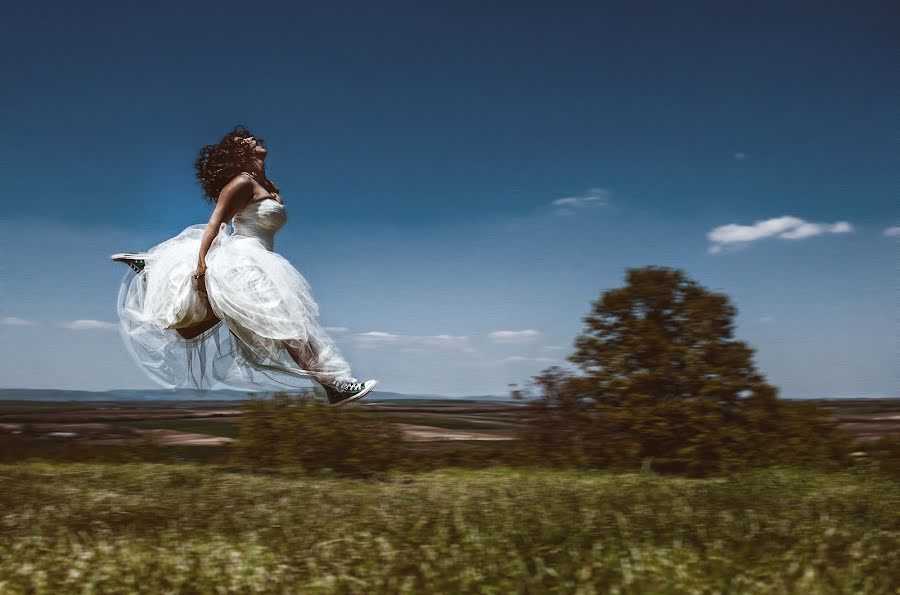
(319,357)
(195,330)
(306,357)
(324,361)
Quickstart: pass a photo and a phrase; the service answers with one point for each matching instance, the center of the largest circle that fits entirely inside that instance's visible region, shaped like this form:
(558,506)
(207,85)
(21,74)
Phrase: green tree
(664,381)
(664,337)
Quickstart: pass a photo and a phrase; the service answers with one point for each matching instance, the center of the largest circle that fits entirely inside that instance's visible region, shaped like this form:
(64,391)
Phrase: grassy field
(92,528)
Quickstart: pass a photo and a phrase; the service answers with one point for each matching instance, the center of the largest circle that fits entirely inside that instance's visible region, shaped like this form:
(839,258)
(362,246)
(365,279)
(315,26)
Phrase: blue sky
(463,179)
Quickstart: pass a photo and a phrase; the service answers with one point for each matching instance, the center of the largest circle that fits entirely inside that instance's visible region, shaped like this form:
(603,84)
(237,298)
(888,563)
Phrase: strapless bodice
(260,219)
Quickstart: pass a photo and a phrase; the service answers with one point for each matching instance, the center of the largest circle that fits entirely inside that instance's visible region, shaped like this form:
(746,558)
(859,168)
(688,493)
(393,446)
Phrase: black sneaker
(137,261)
(343,391)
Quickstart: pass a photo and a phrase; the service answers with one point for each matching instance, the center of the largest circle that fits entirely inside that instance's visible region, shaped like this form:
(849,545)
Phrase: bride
(209,307)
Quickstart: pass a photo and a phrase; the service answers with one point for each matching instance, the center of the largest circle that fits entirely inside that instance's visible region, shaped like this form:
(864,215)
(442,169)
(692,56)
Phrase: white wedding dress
(263,303)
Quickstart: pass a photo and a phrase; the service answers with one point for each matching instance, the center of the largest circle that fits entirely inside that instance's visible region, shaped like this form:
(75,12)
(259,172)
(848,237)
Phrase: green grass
(201,529)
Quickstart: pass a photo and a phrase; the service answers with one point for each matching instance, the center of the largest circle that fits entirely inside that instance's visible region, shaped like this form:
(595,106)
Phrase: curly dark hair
(219,163)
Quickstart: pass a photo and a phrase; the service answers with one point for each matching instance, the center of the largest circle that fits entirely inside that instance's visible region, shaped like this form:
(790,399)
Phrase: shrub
(303,431)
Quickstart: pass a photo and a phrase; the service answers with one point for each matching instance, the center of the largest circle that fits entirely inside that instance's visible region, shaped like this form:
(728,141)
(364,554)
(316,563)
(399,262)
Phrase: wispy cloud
(553,347)
(381,338)
(526,336)
(808,230)
(337,330)
(786,228)
(13,321)
(892,232)
(513,359)
(521,358)
(569,204)
(740,156)
(89,325)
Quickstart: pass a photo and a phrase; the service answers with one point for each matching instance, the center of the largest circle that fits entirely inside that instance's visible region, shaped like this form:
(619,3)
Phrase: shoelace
(347,386)
(136,265)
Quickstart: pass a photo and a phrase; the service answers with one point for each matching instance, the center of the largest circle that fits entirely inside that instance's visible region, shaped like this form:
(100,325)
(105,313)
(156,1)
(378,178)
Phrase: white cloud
(726,234)
(808,230)
(336,329)
(379,335)
(740,156)
(892,232)
(786,228)
(553,347)
(526,336)
(89,325)
(443,340)
(765,319)
(520,358)
(380,338)
(514,359)
(13,321)
(593,197)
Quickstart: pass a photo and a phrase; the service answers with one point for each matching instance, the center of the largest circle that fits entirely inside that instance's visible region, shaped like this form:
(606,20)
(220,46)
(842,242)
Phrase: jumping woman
(209,307)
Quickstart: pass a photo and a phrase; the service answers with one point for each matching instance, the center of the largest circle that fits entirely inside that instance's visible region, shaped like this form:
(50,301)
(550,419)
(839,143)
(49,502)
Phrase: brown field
(216,424)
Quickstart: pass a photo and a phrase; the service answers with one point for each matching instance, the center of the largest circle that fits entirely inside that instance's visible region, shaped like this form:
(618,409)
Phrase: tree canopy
(663,381)
(662,336)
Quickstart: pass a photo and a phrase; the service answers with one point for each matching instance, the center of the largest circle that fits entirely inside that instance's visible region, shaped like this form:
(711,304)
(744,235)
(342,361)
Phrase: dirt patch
(415,433)
(171,438)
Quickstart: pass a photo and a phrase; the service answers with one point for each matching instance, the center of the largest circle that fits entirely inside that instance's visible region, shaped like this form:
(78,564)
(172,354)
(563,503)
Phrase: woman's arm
(234,197)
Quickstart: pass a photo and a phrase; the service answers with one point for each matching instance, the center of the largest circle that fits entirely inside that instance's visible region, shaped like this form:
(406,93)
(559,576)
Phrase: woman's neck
(256,166)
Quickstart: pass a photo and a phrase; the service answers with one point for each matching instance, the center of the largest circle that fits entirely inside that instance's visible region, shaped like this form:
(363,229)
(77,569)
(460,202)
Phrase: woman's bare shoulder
(241,180)
(235,195)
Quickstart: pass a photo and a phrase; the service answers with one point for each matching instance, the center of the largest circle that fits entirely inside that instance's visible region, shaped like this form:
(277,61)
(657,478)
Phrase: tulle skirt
(265,308)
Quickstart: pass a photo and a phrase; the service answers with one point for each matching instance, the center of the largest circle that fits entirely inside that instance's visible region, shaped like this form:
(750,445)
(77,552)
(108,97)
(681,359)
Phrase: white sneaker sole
(125,256)
(368,387)
(129,258)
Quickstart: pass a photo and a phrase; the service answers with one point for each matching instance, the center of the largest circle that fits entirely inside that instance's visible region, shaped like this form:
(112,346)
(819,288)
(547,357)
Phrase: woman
(221,309)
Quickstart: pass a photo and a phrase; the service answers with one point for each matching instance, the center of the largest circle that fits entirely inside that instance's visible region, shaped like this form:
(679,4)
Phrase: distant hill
(42,394)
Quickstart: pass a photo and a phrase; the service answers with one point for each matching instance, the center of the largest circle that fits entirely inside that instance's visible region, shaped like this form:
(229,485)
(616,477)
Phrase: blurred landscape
(173,418)
(404,494)
(286,495)
(667,465)
(214,423)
